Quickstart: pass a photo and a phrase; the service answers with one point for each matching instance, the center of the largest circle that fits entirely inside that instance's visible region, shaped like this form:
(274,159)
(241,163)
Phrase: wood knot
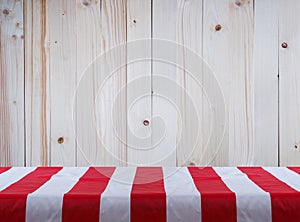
(146,122)
(218,27)
(14,36)
(5,11)
(192,163)
(296,146)
(60,140)
(134,21)
(238,3)
(85,3)
(284,45)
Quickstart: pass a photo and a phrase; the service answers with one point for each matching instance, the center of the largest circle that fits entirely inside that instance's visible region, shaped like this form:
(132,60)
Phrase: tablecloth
(143,194)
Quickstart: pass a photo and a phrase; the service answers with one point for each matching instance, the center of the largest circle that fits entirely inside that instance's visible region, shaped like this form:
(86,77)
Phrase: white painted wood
(266,82)
(139,83)
(289,81)
(37,96)
(11,83)
(61,31)
(228,51)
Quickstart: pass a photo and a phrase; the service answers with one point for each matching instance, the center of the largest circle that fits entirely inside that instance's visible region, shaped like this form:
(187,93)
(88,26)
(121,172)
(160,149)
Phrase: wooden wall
(54,109)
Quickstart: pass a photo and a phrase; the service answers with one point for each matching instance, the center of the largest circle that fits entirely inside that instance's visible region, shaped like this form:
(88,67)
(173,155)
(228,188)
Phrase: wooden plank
(101,26)
(164,114)
(139,83)
(215,52)
(229,52)
(114,35)
(191,140)
(11,83)
(61,31)
(37,97)
(88,39)
(37,109)
(289,81)
(266,82)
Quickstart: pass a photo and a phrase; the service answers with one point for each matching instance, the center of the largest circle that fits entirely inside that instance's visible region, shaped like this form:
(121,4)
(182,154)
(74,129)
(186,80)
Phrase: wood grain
(88,47)
(11,83)
(139,83)
(164,17)
(289,81)
(266,82)
(229,52)
(37,96)
(61,32)
(191,140)
(44,61)
(101,28)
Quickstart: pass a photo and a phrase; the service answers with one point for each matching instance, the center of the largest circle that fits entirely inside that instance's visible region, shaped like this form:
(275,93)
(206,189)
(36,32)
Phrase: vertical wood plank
(114,34)
(229,52)
(37,96)
(189,35)
(11,83)
(266,82)
(215,53)
(289,81)
(88,45)
(241,101)
(164,18)
(139,109)
(101,26)
(61,31)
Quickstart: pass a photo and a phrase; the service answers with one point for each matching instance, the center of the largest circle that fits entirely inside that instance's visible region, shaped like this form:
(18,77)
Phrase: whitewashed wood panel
(289,82)
(139,83)
(11,83)
(61,40)
(37,96)
(266,82)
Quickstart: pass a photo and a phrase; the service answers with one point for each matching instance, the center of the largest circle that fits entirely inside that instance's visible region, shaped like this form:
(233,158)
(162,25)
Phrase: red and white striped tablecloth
(143,194)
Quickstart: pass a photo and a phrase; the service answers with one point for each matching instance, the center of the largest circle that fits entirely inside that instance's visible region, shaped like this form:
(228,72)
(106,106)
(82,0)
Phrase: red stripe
(295,169)
(285,200)
(3,169)
(13,198)
(218,202)
(82,202)
(148,196)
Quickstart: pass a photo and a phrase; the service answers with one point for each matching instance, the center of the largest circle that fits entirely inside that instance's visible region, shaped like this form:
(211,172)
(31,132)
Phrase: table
(143,194)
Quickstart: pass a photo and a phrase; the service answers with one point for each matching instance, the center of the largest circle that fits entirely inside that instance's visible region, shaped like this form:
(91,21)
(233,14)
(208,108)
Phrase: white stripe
(289,177)
(45,204)
(13,175)
(253,203)
(115,200)
(183,198)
